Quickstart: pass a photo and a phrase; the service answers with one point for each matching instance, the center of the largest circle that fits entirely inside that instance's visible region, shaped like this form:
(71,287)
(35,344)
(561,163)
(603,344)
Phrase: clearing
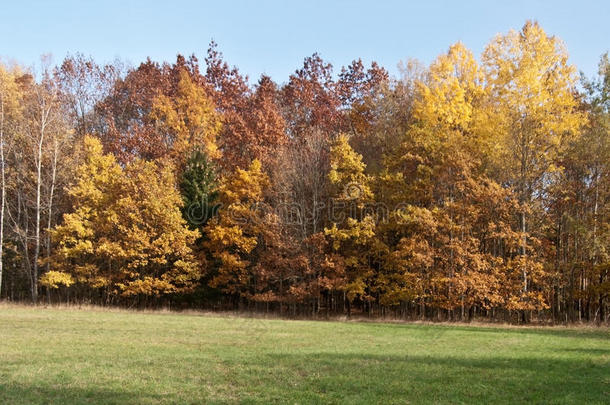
(55,355)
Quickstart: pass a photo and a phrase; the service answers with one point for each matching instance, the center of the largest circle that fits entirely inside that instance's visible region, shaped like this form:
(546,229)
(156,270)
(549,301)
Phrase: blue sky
(273,37)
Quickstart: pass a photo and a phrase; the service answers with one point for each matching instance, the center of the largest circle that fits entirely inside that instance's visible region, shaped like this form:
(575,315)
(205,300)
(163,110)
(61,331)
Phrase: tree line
(472,187)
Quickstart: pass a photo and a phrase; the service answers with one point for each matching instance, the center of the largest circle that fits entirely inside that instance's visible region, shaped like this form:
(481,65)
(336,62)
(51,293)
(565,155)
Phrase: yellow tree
(451,139)
(126,233)
(450,96)
(156,244)
(352,232)
(441,238)
(347,173)
(96,185)
(255,258)
(189,120)
(532,87)
(239,227)
(452,127)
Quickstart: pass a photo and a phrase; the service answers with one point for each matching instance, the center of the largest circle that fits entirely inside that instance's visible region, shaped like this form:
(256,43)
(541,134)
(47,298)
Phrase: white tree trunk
(3,186)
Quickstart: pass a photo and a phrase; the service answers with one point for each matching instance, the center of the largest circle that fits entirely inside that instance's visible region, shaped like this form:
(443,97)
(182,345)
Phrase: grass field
(93,356)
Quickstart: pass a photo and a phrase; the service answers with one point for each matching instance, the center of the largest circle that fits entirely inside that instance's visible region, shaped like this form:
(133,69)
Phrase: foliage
(459,190)
(126,233)
(53,279)
(198,189)
(187,120)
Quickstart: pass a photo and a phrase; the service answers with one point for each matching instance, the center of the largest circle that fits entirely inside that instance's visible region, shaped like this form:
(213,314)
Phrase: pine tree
(198,187)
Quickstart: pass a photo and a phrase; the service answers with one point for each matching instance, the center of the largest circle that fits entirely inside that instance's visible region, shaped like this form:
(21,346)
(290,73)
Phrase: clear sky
(273,37)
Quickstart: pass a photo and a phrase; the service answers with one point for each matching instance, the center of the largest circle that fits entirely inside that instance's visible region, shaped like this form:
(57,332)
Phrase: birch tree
(42,135)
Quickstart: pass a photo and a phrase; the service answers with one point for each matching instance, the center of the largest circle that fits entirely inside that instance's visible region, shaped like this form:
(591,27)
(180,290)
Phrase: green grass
(92,356)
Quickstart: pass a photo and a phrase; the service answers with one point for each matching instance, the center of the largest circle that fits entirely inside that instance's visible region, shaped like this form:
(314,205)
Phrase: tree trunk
(3,186)
(524,249)
(38,209)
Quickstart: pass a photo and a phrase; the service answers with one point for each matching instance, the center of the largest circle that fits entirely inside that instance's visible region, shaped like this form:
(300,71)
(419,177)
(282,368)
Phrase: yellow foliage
(189,118)
(53,279)
(127,231)
(347,172)
(449,97)
(10,95)
(532,88)
(234,233)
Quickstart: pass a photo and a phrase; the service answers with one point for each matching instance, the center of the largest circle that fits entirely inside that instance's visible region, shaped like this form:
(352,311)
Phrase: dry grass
(334,318)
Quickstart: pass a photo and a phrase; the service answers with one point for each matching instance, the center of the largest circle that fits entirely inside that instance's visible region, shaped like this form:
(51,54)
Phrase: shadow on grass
(15,393)
(433,379)
(587,351)
(323,377)
(585,333)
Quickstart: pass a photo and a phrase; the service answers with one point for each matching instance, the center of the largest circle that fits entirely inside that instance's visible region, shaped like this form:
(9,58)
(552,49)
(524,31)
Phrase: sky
(273,37)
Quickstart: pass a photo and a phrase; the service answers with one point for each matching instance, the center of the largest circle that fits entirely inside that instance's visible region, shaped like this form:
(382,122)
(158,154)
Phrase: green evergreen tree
(198,188)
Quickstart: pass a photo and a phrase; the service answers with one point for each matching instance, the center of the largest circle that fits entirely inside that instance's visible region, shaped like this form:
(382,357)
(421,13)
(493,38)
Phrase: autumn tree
(352,232)
(597,176)
(253,126)
(310,100)
(128,126)
(83,84)
(578,202)
(234,233)
(266,123)
(44,138)
(389,107)
(126,234)
(10,110)
(532,86)
(254,260)
(361,92)
(231,94)
(187,121)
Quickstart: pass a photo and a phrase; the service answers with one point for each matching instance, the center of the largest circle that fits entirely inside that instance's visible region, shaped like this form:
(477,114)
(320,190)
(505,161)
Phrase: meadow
(71,355)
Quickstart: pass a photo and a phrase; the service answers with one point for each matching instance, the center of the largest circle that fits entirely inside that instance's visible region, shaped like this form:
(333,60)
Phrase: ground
(70,355)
